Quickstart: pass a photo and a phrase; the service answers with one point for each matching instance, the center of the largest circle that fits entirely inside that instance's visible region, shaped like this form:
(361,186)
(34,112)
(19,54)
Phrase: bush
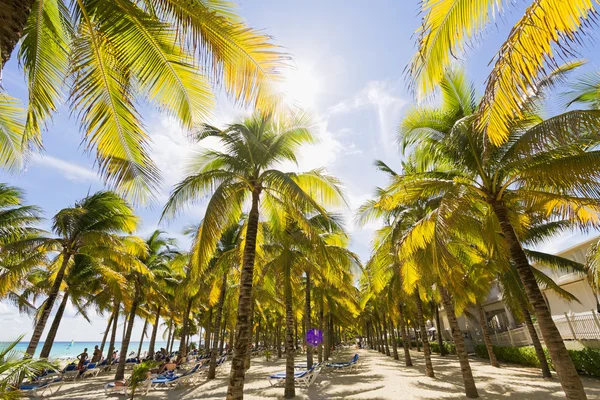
(449,347)
(586,361)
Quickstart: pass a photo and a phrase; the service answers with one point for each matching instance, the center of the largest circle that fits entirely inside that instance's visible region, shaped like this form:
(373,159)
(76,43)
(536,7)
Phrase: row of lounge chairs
(306,377)
(168,380)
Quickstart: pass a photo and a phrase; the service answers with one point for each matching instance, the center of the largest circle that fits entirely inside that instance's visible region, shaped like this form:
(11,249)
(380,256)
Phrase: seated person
(170,365)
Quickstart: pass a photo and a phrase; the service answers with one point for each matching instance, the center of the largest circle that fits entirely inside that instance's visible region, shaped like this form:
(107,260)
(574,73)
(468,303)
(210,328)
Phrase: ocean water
(66,350)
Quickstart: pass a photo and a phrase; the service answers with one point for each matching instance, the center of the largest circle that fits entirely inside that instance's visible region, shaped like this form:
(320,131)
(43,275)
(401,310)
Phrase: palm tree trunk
(567,374)
(125,345)
(290,390)
(438,323)
(459,342)
(169,335)
(278,333)
(385,334)
(393,338)
(142,338)
(54,327)
(207,331)
(108,326)
(113,335)
(243,329)
(184,331)
(416,329)
(486,336)
(43,318)
(426,348)
(327,339)
(320,348)
(222,341)
(405,341)
(213,355)
(13,17)
(307,311)
(537,345)
(154,332)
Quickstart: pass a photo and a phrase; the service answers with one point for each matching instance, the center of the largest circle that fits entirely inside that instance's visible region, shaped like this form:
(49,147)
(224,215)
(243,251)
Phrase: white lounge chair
(339,366)
(70,372)
(41,389)
(92,370)
(301,378)
(112,388)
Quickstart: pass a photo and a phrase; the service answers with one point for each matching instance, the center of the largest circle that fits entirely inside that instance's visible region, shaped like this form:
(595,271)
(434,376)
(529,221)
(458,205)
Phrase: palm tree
(107,55)
(246,169)
(21,244)
(90,227)
(13,368)
(547,28)
(548,165)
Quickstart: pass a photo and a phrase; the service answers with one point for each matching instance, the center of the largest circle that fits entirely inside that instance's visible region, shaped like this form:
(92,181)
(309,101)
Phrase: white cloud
(377,94)
(70,170)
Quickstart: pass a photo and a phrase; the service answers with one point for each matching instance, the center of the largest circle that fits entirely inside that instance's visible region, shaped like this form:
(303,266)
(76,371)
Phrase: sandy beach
(378,377)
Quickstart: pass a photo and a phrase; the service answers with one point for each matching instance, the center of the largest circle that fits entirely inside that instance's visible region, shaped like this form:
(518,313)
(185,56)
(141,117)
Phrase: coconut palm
(106,55)
(13,368)
(246,169)
(547,28)
(90,227)
(547,165)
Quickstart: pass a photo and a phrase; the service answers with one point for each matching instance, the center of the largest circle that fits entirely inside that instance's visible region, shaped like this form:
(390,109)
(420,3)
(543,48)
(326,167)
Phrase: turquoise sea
(67,350)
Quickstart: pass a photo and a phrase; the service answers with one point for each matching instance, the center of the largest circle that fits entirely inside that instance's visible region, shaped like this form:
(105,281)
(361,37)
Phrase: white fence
(583,326)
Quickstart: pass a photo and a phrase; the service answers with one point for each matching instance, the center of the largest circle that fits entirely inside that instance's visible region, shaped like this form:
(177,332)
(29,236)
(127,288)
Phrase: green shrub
(586,361)
(449,347)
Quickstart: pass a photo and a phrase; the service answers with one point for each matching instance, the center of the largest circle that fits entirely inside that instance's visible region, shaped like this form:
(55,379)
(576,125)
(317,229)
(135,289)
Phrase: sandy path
(379,377)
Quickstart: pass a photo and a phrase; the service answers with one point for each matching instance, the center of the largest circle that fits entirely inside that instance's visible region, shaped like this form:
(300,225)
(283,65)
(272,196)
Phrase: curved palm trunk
(237,375)
(54,327)
(154,332)
(393,339)
(290,389)
(486,336)
(278,334)
(120,374)
(567,374)
(307,311)
(41,322)
(537,345)
(405,344)
(13,17)
(169,335)
(113,335)
(438,324)
(320,347)
(459,342)
(108,326)
(213,355)
(417,341)
(184,331)
(426,348)
(142,338)
(207,331)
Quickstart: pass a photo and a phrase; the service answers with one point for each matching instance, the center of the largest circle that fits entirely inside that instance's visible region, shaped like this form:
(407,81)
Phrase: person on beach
(170,365)
(96,355)
(82,359)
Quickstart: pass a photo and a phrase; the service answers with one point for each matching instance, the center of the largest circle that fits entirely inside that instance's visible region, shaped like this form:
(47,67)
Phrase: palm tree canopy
(105,56)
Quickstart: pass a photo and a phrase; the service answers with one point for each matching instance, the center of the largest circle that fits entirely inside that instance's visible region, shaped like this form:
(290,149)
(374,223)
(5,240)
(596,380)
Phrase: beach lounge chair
(302,378)
(41,389)
(171,380)
(92,369)
(70,372)
(112,388)
(47,375)
(338,366)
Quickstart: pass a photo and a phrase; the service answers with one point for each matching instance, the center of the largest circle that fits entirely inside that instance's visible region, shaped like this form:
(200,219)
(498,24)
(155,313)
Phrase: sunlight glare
(300,87)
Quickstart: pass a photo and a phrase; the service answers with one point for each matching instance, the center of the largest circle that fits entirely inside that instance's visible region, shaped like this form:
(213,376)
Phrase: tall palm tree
(107,55)
(90,227)
(547,28)
(246,169)
(549,165)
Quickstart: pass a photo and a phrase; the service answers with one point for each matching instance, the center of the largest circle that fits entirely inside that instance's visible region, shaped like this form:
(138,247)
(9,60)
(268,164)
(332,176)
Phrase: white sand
(379,377)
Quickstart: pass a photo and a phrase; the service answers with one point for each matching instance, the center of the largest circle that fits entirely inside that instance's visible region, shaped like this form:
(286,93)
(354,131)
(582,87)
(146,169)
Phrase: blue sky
(350,58)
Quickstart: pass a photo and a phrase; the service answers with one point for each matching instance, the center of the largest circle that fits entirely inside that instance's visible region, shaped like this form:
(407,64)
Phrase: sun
(300,87)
